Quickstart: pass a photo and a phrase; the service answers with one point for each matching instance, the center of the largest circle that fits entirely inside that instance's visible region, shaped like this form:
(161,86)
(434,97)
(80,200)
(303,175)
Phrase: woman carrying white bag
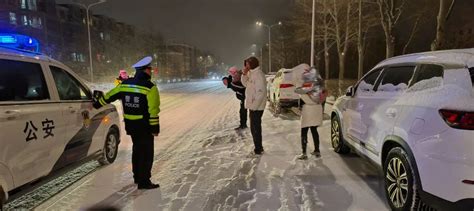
(312,95)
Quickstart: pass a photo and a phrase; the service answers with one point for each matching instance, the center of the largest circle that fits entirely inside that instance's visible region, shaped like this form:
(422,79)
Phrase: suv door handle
(12,114)
(72,110)
(391,113)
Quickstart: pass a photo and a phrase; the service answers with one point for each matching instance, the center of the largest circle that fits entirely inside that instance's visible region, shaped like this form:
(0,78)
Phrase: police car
(46,116)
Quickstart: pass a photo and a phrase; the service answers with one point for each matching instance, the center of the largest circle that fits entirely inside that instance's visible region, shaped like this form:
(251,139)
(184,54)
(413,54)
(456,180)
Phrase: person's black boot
(316,153)
(148,186)
(303,157)
(304,143)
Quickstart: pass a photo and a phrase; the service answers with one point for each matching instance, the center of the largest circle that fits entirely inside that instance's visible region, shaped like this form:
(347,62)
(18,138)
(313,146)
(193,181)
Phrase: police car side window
(22,81)
(68,87)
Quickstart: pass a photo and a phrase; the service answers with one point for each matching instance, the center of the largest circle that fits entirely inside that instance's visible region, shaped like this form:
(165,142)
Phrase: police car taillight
(19,42)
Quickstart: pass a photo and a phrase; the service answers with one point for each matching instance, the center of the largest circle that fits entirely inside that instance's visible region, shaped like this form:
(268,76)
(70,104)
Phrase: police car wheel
(2,199)
(109,153)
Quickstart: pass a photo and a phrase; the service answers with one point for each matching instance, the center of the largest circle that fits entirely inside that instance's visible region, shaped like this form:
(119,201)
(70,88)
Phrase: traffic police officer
(141,106)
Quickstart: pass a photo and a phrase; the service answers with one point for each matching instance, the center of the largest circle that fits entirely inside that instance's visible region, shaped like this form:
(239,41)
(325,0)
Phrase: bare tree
(345,29)
(324,33)
(326,23)
(390,13)
(412,34)
(443,15)
(367,20)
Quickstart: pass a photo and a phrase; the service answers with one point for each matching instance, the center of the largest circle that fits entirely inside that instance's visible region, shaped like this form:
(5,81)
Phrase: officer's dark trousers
(243,114)
(304,138)
(142,157)
(256,129)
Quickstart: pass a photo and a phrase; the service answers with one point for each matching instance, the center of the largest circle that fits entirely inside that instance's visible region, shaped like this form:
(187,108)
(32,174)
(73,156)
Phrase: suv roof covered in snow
(450,59)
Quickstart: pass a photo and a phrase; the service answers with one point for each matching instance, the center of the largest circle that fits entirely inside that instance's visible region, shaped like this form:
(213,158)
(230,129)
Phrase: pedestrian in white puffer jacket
(255,99)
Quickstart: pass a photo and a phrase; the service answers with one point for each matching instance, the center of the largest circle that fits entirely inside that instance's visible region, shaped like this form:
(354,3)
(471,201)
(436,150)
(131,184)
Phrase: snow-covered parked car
(282,91)
(47,120)
(413,116)
(269,79)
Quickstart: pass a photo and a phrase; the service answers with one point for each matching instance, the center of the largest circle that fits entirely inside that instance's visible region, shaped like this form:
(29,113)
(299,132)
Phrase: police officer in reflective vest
(141,106)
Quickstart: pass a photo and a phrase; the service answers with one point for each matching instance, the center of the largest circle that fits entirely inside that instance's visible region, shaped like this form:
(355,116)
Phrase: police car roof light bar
(19,42)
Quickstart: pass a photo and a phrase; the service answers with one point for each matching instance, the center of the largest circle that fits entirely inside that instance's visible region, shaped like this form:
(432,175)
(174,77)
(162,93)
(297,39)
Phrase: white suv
(47,120)
(413,116)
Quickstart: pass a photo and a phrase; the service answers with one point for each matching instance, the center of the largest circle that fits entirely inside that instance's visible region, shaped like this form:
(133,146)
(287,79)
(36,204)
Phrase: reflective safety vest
(141,103)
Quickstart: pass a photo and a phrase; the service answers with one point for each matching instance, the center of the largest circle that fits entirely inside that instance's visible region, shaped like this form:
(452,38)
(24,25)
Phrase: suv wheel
(109,153)
(337,140)
(400,183)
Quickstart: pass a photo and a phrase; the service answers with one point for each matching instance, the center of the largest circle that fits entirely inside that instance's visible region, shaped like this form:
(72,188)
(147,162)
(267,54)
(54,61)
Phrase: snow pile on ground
(44,192)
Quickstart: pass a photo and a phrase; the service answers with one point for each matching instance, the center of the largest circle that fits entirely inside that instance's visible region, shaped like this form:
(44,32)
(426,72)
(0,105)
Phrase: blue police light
(19,42)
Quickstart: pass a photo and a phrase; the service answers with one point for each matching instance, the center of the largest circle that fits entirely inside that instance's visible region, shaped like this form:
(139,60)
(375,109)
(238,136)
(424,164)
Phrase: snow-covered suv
(413,116)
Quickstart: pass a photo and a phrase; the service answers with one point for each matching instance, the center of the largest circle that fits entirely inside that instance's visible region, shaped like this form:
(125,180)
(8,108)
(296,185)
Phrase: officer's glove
(155,130)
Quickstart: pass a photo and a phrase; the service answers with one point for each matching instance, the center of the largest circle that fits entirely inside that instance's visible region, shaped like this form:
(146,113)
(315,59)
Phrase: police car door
(28,120)
(77,103)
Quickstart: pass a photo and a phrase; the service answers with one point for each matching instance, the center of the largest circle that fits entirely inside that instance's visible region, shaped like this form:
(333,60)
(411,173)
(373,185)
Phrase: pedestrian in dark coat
(233,82)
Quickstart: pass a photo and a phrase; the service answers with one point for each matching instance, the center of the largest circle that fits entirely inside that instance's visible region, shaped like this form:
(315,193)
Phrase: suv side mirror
(350,91)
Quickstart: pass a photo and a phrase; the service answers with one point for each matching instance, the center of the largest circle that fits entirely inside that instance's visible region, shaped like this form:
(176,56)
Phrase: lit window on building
(24,20)
(32,5)
(81,58)
(101,35)
(13,18)
(73,56)
(23,4)
(36,22)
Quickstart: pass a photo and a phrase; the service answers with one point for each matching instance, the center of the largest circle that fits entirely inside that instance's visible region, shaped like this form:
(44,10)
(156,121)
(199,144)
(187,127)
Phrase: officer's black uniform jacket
(141,103)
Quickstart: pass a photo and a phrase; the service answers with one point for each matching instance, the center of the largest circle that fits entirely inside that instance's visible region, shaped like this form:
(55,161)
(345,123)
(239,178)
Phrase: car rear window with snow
(426,77)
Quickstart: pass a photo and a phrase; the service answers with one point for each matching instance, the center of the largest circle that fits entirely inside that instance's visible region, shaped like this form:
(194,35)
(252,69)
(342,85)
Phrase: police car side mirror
(350,91)
(97,94)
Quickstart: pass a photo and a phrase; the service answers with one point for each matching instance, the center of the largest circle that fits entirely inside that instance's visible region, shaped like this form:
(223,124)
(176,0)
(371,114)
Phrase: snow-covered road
(201,163)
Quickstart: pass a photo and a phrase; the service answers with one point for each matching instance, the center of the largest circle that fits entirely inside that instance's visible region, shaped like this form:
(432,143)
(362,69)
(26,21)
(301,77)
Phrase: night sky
(224,27)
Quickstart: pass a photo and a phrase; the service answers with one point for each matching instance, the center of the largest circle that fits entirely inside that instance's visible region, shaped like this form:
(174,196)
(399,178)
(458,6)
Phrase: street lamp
(269,27)
(312,33)
(87,7)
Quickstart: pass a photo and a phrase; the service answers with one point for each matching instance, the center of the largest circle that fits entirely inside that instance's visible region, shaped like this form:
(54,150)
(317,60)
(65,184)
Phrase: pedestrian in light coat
(255,99)
(312,95)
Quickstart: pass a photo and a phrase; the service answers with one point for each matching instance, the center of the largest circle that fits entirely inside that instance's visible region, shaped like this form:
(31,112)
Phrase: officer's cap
(143,64)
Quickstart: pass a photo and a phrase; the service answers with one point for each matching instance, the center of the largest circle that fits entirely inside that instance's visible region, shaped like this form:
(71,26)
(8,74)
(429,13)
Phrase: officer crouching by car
(141,105)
